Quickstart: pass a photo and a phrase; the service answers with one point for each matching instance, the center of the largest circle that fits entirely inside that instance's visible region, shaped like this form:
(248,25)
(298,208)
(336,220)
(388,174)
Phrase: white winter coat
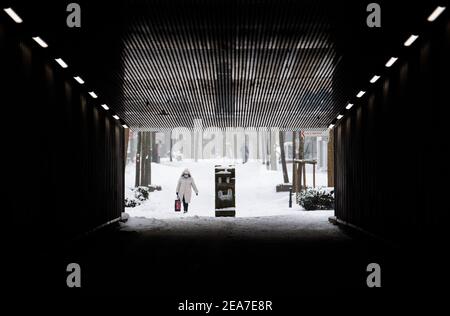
(184,187)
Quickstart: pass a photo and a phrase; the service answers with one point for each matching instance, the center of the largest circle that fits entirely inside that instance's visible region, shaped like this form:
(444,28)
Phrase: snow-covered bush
(131,202)
(135,196)
(317,199)
(141,193)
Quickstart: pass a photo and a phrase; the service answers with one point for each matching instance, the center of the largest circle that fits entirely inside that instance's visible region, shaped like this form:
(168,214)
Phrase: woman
(184,188)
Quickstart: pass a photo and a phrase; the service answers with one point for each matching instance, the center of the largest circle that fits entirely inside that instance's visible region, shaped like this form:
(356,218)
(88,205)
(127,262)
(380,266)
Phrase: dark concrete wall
(392,149)
(63,154)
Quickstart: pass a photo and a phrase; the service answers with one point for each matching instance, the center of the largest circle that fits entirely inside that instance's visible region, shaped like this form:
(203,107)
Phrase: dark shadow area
(147,263)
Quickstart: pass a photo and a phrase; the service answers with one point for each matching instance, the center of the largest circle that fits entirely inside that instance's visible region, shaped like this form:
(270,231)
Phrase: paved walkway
(205,256)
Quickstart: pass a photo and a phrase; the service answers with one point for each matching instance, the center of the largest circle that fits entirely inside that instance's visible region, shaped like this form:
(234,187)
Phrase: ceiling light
(360,94)
(125,126)
(61,62)
(330,126)
(13,15)
(411,40)
(105,107)
(349,106)
(340,116)
(374,79)
(391,61)
(116,117)
(78,79)
(92,94)
(40,41)
(436,13)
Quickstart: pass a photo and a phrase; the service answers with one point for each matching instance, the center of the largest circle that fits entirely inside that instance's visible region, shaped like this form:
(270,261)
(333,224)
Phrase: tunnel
(269,103)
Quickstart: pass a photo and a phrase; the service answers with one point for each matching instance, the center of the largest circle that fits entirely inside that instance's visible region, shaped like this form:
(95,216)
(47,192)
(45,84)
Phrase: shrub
(135,196)
(141,193)
(131,202)
(316,199)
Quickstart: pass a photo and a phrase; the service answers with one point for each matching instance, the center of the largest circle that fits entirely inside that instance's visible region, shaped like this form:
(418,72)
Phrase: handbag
(177,205)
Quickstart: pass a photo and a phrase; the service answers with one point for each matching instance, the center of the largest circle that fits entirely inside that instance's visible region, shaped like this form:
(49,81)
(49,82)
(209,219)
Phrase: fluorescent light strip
(340,116)
(61,62)
(436,13)
(105,107)
(411,40)
(125,126)
(116,117)
(349,106)
(330,126)
(78,79)
(374,79)
(391,61)
(92,94)
(360,94)
(13,15)
(40,41)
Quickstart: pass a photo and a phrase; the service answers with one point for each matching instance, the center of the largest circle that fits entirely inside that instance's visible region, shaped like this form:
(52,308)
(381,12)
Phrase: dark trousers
(185,205)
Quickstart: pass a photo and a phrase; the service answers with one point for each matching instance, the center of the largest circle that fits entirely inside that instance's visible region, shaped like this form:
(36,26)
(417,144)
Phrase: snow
(255,190)
(260,210)
(302,225)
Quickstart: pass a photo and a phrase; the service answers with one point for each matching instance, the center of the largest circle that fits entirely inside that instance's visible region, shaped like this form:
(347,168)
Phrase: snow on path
(304,225)
(255,187)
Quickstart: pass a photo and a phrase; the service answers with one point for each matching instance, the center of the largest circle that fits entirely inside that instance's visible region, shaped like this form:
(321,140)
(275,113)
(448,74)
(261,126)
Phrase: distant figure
(184,190)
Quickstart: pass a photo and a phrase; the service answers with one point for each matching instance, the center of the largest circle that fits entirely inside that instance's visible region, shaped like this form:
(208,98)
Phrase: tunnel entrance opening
(261,206)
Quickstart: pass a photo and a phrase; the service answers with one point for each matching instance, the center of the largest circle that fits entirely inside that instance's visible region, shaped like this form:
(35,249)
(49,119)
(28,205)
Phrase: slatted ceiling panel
(246,64)
(292,64)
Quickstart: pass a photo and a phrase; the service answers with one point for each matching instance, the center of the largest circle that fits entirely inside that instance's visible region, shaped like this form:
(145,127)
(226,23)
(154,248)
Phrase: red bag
(177,205)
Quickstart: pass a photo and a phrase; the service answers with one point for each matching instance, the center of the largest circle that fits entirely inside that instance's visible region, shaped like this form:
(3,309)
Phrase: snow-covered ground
(255,190)
(260,210)
(303,225)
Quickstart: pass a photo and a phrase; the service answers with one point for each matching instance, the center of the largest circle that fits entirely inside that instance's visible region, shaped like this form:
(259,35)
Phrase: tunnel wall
(391,150)
(63,154)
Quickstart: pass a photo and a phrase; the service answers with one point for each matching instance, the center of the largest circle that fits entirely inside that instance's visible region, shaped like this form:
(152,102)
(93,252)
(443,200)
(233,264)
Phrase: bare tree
(143,159)
(294,156)
(138,159)
(171,146)
(283,158)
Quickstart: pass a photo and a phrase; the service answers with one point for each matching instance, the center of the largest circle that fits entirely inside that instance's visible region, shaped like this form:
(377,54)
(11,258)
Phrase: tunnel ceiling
(249,63)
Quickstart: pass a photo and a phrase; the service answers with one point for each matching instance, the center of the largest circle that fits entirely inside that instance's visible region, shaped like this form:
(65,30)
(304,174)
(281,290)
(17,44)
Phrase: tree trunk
(330,156)
(273,150)
(301,155)
(171,145)
(138,159)
(144,159)
(148,159)
(294,156)
(267,143)
(246,148)
(283,158)
(151,138)
(301,146)
(258,141)
(154,146)
(127,143)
